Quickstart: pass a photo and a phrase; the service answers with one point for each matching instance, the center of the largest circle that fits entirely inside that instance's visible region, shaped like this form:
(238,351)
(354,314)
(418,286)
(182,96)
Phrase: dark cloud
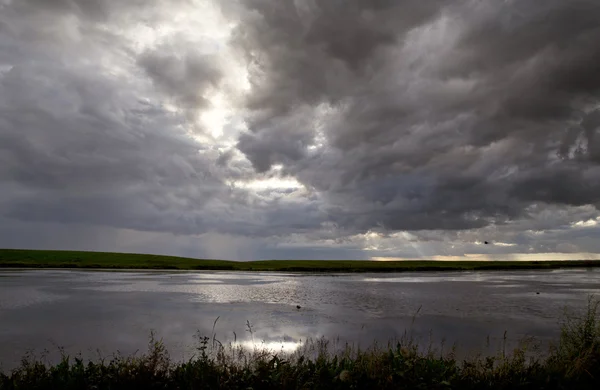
(92,155)
(96,10)
(184,76)
(307,54)
(458,139)
(266,146)
(447,119)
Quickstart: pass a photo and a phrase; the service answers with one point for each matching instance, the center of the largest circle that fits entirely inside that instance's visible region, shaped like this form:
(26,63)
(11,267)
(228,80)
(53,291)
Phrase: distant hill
(20,258)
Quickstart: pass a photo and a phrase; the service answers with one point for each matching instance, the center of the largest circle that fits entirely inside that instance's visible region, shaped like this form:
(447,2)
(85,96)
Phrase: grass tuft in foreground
(574,363)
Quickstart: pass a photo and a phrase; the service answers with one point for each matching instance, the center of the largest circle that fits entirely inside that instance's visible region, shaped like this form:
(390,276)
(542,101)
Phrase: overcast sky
(325,129)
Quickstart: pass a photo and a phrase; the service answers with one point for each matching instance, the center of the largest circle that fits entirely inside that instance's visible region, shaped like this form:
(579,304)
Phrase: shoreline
(19,259)
(402,363)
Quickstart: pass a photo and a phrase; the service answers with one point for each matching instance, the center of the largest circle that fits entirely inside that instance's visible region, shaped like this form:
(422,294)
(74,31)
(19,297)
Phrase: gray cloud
(184,76)
(95,156)
(457,139)
(95,11)
(450,120)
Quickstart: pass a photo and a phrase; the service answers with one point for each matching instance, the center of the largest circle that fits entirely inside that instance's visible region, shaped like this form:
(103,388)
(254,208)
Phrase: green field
(17,258)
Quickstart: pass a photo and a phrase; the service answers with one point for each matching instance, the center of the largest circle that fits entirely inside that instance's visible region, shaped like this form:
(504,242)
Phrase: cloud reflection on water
(116,310)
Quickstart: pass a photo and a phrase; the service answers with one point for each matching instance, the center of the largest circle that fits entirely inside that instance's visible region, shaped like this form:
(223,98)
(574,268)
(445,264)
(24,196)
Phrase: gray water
(95,312)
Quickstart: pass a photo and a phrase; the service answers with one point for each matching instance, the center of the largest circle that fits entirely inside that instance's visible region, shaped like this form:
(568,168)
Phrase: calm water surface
(87,311)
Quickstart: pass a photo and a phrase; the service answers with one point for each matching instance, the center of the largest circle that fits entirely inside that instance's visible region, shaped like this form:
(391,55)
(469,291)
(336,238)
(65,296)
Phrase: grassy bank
(14,258)
(574,363)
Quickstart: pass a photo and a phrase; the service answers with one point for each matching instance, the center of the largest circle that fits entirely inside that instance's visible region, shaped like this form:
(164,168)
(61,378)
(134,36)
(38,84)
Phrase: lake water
(86,311)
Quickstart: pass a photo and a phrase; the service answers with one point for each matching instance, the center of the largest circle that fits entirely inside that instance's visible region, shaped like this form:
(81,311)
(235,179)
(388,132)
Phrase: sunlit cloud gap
(500,257)
(270,183)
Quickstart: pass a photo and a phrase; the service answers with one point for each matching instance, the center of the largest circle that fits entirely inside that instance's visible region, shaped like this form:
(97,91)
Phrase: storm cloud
(305,128)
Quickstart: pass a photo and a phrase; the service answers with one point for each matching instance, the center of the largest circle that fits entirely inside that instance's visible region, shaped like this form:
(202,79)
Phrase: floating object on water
(537,292)
(485,242)
(297,306)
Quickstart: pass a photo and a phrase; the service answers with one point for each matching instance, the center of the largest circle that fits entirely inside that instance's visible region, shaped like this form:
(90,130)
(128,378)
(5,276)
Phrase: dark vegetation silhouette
(573,363)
